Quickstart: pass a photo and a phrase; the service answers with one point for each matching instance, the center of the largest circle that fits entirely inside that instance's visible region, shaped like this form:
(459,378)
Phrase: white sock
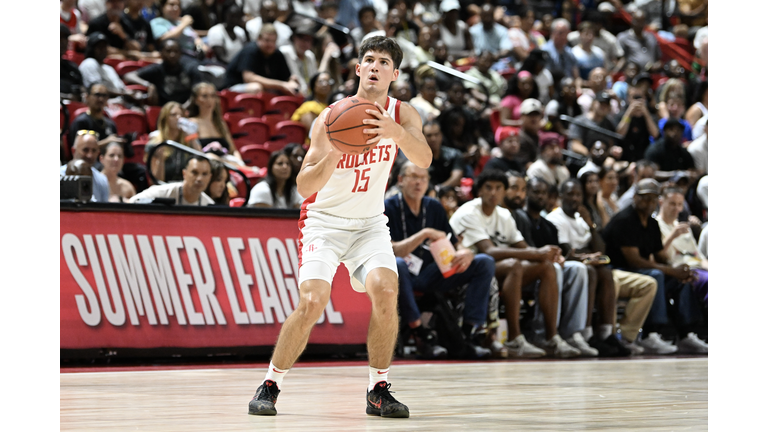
(275,375)
(587,333)
(375,376)
(604,330)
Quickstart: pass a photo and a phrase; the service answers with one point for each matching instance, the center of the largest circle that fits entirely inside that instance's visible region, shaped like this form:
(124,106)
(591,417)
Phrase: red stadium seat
(233,118)
(285,104)
(258,131)
(78,112)
(272,119)
(128,66)
(276,145)
(227,99)
(138,151)
(75,57)
(293,131)
(237,202)
(255,155)
(130,121)
(153,112)
(252,105)
(136,87)
(113,61)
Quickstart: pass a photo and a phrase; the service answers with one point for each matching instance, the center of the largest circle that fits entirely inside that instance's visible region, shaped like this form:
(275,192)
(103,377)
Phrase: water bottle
(187,126)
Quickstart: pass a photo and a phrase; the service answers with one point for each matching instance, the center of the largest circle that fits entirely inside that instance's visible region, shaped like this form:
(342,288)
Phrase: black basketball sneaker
(263,403)
(382,403)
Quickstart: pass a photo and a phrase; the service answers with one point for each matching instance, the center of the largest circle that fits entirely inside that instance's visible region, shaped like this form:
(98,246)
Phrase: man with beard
(668,153)
(550,166)
(572,275)
(171,80)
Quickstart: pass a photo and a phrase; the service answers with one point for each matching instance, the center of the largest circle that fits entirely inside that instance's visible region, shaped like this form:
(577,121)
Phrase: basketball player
(343,221)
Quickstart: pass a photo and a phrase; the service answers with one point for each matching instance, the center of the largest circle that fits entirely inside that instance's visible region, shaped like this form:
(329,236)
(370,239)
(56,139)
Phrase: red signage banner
(145,280)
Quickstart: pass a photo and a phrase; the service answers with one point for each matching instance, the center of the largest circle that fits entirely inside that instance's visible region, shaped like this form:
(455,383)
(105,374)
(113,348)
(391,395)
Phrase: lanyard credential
(402,215)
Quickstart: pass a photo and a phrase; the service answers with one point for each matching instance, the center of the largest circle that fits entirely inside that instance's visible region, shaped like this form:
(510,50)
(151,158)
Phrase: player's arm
(407,135)
(319,162)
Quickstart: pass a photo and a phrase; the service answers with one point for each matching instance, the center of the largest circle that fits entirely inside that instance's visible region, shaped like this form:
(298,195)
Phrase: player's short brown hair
(382,44)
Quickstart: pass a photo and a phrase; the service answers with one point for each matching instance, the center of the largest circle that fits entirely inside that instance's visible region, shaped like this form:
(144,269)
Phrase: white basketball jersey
(357,186)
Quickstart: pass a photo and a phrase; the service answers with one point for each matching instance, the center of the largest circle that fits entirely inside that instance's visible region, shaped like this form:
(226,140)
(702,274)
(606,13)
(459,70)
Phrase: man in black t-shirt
(261,66)
(631,237)
(94,119)
(508,140)
(668,153)
(597,116)
(139,29)
(447,163)
(637,124)
(171,80)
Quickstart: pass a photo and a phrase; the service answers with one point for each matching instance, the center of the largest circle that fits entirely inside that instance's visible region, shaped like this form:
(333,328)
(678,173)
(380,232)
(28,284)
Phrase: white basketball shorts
(361,244)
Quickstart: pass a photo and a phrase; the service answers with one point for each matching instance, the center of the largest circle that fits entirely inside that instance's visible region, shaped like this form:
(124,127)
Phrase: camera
(76,188)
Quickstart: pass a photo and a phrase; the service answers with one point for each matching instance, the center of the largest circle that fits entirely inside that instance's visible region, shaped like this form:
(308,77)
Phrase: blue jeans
(478,275)
(573,289)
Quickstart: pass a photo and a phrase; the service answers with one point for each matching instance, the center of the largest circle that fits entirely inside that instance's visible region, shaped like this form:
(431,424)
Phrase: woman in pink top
(520,87)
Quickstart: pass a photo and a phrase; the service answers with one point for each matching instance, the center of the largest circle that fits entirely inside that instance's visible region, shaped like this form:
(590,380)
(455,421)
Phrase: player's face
(376,71)
(492,193)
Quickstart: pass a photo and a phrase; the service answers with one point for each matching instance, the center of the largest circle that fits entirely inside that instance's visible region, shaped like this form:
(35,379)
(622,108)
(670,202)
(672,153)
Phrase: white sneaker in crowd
(559,348)
(577,341)
(653,344)
(632,346)
(521,348)
(691,344)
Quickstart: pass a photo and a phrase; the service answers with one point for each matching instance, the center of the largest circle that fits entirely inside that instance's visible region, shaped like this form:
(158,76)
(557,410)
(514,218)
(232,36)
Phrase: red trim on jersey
(397,111)
(302,218)
(71,23)
(386,105)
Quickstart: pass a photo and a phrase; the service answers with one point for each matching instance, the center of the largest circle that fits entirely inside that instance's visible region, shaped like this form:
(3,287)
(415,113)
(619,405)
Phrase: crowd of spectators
(569,149)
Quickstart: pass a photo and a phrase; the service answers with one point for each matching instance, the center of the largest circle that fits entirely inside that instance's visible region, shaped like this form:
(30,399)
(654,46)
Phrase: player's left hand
(462,260)
(386,127)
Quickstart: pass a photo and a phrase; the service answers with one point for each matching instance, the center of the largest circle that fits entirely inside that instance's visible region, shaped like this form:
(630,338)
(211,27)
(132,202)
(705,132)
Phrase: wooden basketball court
(605,395)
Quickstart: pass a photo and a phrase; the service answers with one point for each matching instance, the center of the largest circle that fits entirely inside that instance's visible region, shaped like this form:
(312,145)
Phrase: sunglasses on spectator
(82,132)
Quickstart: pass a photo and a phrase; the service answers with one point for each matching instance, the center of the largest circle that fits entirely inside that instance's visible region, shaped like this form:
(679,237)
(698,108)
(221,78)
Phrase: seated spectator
(492,80)
(597,116)
(668,152)
(171,80)
(590,185)
(426,99)
(631,238)
(268,15)
(95,118)
(699,109)
(86,149)
(167,163)
(604,40)
(296,153)
(95,71)
(119,29)
(392,28)
(536,64)
(598,157)
(488,35)
(457,128)
(561,61)
(448,199)
(597,83)
(508,140)
(487,228)
(644,169)
(447,165)
(71,80)
(71,17)
(637,125)
(226,39)
(204,13)
(524,38)
(139,30)
(674,109)
(565,104)
(204,110)
(261,66)
(278,188)
(368,23)
(673,86)
(580,239)
(170,25)
(218,187)
(299,56)
(190,191)
(572,275)
(112,159)
(550,165)
(609,182)
(414,219)
(520,87)
(620,87)
(320,85)
(530,117)
(640,46)
(425,45)
(588,56)
(679,243)
(699,151)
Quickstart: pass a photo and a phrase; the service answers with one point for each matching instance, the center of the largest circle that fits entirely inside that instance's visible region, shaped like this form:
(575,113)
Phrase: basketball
(344,125)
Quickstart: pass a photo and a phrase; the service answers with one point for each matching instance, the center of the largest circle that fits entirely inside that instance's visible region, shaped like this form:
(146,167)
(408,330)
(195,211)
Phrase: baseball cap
(505,132)
(673,121)
(530,106)
(603,96)
(648,186)
(449,5)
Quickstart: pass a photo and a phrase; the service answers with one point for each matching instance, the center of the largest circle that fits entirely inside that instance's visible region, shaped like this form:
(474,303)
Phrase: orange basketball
(344,125)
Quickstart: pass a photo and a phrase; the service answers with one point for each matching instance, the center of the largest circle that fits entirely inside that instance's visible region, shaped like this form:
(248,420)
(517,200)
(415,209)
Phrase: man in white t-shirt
(487,228)
(197,175)
(268,14)
(300,58)
(578,237)
(550,166)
